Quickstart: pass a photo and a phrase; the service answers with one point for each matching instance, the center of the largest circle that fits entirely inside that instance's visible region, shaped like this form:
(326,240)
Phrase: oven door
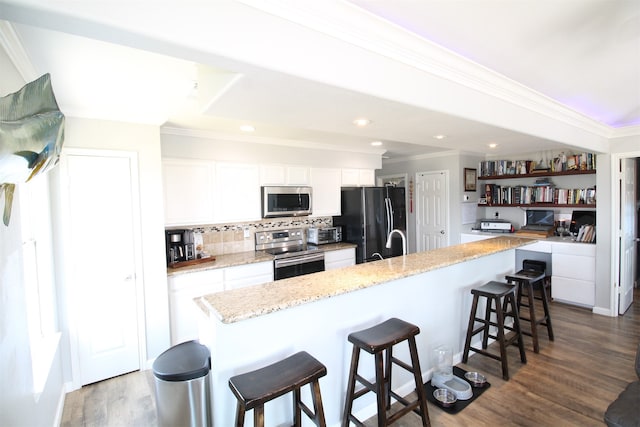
(298,265)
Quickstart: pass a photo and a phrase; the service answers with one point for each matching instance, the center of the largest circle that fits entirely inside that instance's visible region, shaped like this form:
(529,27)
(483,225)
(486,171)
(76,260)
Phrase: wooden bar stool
(532,280)
(376,340)
(503,296)
(254,389)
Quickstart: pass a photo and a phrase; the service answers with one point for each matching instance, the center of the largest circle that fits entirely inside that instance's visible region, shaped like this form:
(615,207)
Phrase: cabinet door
(358,177)
(326,184)
(187,191)
(284,175)
(573,291)
(183,311)
(237,192)
(574,267)
(248,275)
(340,258)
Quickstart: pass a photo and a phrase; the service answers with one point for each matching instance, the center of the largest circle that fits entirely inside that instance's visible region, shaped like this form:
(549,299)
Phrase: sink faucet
(376,254)
(404,240)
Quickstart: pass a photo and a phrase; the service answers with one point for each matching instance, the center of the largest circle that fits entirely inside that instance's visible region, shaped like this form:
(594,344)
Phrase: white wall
(145,141)
(17,404)
(452,162)
(214,147)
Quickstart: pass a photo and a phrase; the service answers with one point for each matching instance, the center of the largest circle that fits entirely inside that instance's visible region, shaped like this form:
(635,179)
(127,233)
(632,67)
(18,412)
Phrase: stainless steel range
(293,257)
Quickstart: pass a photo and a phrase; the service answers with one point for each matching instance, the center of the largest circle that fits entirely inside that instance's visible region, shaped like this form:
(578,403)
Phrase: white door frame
(70,302)
(615,227)
(418,188)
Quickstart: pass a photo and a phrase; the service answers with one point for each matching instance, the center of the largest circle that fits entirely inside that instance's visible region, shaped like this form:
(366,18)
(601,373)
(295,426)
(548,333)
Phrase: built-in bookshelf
(539,191)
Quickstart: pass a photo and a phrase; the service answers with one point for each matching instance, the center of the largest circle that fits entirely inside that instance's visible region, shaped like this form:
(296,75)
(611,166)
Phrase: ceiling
(583,56)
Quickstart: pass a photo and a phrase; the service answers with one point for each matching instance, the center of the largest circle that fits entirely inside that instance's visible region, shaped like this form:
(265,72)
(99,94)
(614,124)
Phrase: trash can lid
(183,362)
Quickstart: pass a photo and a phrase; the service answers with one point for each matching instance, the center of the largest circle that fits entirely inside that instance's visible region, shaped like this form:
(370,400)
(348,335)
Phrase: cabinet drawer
(584,249)
(248,270)
(573,291)
(538,247)
(196,279)
(574,266)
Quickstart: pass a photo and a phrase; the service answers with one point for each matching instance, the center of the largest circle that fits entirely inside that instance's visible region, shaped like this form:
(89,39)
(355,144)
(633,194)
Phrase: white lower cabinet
(574,273)
(340,258)
(183,288)
(248,275)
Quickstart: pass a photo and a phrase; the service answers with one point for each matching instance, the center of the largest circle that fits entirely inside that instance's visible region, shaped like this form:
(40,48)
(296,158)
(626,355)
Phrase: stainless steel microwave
(285,201)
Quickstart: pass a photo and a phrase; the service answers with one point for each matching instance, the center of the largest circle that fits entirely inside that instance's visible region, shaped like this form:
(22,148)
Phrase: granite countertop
(239,304)
(242,258)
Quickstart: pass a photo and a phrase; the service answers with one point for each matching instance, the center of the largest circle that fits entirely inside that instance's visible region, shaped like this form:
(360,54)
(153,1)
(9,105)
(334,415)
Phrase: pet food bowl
(476,379)
(444,397)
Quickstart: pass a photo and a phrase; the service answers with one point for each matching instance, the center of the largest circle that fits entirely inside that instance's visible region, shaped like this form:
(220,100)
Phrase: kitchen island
(255,326)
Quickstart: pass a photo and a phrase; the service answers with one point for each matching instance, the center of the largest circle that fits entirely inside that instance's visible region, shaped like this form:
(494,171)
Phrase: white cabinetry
(574,273)
(183,288)
(188,198)
(284,175)
(470,237)
(248,275)
(358,178)
(237,193)
(326,183)
(340,258)
(183,312)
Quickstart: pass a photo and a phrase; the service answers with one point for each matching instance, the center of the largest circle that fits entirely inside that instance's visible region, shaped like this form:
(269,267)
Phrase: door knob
(441,231)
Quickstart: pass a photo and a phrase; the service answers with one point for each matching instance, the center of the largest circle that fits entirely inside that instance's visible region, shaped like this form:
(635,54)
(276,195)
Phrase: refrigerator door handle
(387,205)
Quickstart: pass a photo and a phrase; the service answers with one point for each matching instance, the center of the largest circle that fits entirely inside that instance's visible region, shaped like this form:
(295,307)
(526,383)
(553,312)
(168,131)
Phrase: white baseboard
(57,421)
(603,311)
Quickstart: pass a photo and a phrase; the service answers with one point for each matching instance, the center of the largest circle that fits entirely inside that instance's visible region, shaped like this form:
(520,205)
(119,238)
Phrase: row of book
(524,195)
(582,161)
(586,234)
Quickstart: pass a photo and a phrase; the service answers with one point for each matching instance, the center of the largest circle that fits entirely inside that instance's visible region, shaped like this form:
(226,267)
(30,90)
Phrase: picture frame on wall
(470,179)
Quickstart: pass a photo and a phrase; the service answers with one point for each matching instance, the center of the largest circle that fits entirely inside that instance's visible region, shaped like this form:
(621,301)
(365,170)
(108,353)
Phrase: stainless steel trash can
(182,385)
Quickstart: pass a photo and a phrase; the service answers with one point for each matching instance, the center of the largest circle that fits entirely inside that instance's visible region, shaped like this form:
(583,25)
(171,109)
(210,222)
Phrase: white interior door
(102,260)
(627,233)
(432,210)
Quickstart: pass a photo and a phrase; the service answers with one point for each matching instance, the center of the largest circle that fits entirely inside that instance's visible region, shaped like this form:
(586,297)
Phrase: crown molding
(351,24)
(11,43)
(216,135)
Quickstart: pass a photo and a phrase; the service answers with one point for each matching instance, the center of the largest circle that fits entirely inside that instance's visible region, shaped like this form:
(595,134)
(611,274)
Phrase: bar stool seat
(502,296)
(378,340)
(254,389)
(531,281)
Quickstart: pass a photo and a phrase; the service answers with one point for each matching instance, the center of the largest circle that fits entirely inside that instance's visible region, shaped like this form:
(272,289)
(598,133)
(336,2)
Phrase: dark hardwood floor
(570,382)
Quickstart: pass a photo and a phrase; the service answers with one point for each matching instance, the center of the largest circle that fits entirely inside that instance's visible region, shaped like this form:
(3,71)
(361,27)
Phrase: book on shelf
(586,234)
(561,163)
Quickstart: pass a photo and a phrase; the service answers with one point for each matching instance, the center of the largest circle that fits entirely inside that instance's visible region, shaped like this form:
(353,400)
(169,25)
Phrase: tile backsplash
(220,239)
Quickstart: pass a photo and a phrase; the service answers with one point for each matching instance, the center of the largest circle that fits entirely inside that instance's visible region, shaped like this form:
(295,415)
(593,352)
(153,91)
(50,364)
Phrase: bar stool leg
(258,416)
(240,411)
(381,389)
(487,323)
(297,412)
(517,329)
(351,386)
(317,404)
(387,380)
(532,318)
(472,318)
(501,339)
(415,362)
(545,305)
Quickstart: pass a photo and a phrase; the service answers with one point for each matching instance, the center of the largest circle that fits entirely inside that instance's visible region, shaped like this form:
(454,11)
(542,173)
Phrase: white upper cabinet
(284,175)
(358,178)
(237,192)
(188,198)
(326,183)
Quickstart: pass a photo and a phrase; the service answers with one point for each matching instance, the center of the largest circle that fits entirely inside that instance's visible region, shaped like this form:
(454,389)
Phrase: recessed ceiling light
(493,145)
(376,143)
(439,136)
(361,122)
(247,128)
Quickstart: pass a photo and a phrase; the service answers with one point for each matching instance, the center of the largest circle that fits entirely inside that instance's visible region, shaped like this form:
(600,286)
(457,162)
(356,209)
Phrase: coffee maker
(179,246)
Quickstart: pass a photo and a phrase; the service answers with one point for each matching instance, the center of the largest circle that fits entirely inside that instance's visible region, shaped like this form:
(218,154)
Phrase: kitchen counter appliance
(323,235)
(293,256)
(179,246)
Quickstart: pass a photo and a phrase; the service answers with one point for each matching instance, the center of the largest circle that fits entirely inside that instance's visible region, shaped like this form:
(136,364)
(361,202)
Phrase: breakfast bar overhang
(248,328)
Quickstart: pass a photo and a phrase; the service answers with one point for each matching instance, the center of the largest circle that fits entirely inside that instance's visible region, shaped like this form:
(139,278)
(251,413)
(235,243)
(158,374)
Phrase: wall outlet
(497,215)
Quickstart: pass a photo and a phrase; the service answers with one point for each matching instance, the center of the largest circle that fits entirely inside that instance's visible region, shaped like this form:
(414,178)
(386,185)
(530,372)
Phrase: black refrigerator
(368,216)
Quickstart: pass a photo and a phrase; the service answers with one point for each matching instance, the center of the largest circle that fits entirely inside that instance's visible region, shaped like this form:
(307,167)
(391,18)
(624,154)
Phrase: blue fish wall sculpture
(31,136)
